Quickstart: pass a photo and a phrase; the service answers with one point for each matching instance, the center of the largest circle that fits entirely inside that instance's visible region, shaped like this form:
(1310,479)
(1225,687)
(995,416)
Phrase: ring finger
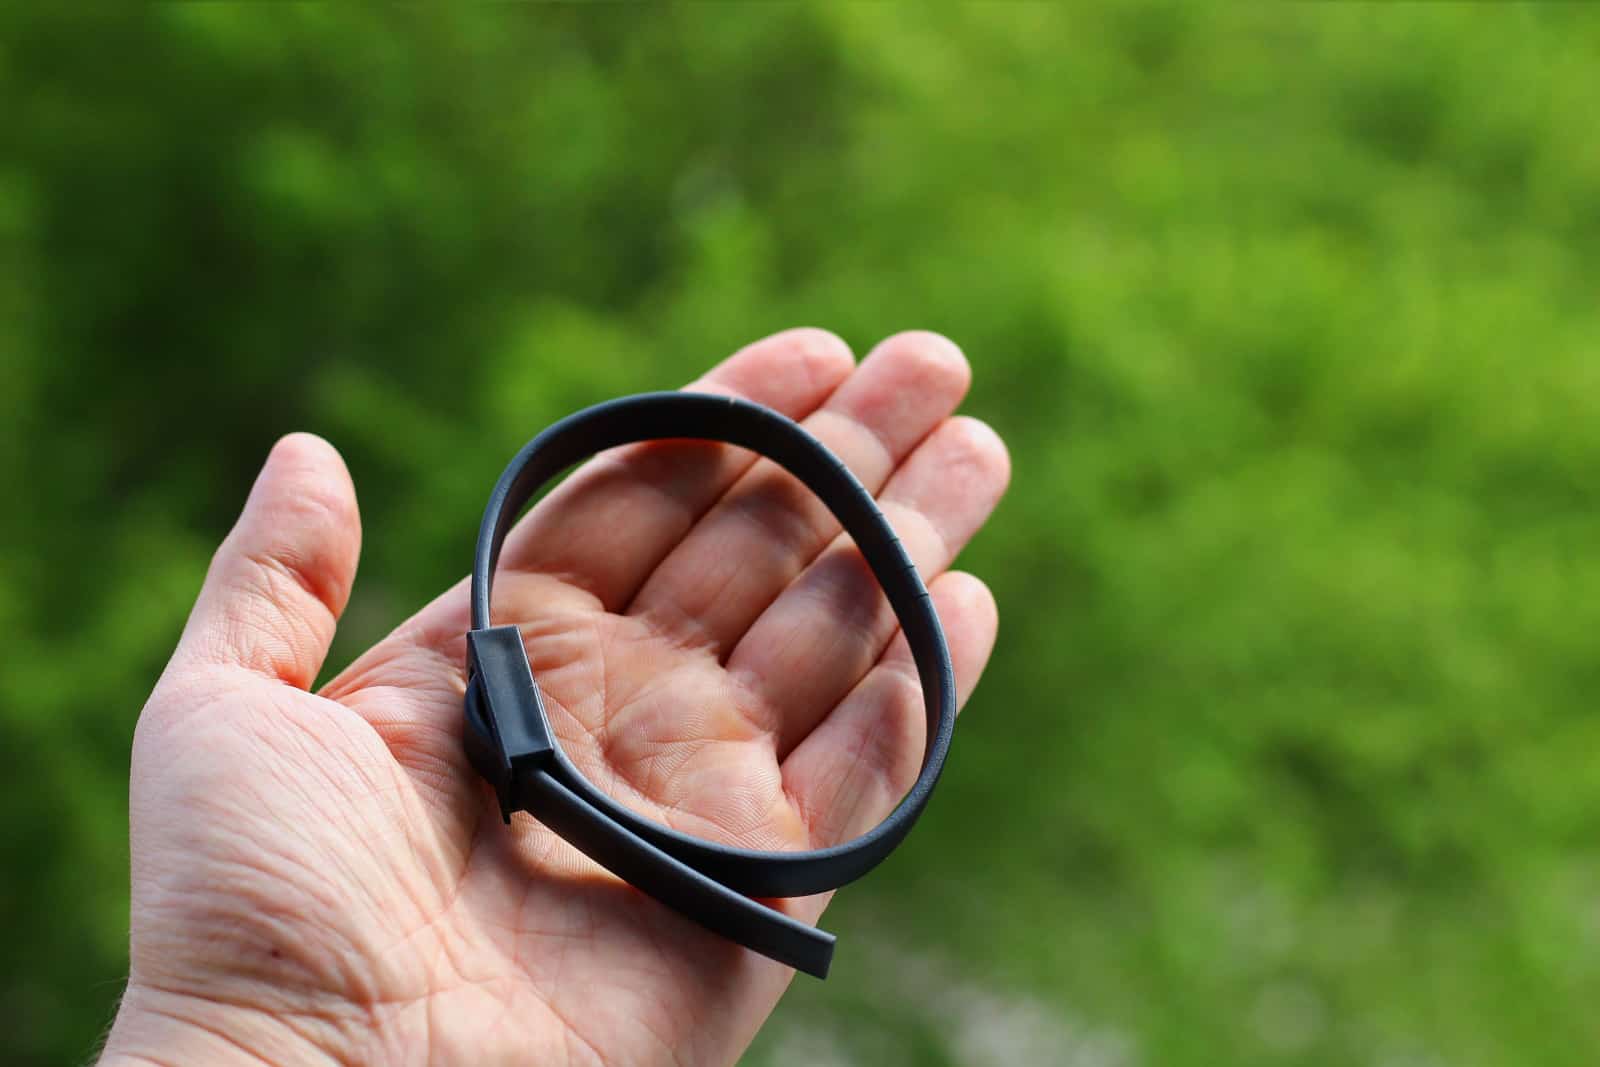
(828,628)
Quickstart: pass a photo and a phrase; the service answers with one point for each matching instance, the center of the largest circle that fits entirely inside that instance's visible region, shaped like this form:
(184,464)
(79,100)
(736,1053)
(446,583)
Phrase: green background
(1289,751)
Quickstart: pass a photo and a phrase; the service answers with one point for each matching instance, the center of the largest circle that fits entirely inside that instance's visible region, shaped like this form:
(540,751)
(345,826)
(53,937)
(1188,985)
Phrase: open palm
(322,877)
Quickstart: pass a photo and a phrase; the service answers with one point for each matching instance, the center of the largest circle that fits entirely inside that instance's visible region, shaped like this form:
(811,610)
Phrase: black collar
(510,743)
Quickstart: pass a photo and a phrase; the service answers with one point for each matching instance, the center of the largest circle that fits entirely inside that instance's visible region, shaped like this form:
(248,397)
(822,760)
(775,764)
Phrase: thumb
(276,586)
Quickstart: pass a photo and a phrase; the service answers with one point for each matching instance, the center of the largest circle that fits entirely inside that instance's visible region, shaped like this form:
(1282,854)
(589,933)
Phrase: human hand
(322,877)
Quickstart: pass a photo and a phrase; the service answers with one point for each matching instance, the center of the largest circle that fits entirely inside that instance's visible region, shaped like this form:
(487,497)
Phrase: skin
(320,877)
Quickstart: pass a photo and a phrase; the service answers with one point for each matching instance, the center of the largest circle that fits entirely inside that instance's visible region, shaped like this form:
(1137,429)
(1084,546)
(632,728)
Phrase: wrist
(156,1026)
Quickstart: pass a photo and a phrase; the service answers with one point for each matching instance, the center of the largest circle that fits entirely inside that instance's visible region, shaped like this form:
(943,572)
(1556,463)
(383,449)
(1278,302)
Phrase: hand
(321,877)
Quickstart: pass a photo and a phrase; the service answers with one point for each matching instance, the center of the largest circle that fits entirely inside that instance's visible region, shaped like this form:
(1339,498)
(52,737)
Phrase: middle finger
(764,531)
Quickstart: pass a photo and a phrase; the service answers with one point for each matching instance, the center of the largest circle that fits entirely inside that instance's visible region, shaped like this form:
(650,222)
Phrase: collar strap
(510,742)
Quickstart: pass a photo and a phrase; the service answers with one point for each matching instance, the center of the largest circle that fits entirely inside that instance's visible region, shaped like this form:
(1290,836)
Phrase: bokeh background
(1290,751)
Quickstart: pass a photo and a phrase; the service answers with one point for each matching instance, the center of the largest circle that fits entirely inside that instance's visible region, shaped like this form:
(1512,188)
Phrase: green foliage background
(1288,753)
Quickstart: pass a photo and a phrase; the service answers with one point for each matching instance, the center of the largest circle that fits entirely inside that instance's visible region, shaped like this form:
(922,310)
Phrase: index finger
(609,524)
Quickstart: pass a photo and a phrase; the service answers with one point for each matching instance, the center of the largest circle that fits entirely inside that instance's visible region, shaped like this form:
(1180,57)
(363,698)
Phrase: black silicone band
(511,745)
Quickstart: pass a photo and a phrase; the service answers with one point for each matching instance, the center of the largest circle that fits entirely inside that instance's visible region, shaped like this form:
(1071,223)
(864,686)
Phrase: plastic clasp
(506,729)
